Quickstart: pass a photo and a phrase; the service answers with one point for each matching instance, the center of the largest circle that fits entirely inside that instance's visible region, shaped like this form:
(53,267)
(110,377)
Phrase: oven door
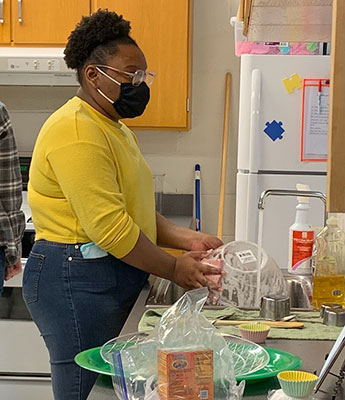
(24,361)
(22,348)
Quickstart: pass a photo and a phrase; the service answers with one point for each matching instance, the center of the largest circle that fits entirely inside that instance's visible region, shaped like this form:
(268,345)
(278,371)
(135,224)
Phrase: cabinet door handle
(1,11)
(20,11)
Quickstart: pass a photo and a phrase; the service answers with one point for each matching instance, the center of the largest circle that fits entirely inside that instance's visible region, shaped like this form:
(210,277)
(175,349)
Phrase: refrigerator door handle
(252,211)
(254,120)
(253,152)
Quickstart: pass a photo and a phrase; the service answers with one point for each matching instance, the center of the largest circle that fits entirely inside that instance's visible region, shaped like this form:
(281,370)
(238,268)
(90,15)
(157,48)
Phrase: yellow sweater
(90,182)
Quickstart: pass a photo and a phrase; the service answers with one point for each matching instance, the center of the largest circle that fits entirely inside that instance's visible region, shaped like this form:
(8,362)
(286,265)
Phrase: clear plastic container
(329,265)
(243,46)
(158,182)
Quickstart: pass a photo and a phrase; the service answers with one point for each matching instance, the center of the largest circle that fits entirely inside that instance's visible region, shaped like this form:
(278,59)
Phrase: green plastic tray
(279,361)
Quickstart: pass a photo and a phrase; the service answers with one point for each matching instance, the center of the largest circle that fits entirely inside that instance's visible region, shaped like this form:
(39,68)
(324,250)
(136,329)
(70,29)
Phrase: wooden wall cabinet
(162,29)
(336,131)
(5,23)
(40,22)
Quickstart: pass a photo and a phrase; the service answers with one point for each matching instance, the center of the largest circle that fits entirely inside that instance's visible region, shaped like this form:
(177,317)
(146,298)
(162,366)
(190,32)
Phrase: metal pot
(274,307)
(334,317)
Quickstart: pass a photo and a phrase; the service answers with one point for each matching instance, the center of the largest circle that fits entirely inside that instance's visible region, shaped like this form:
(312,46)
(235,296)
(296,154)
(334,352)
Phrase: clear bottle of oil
(329,265)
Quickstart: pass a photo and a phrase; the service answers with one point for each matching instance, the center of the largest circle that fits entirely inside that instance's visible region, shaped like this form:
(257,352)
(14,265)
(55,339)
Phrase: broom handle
(240,12)
(197,198)
(224,155)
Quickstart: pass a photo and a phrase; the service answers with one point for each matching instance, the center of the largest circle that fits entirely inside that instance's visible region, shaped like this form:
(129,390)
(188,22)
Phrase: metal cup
(334,317)
(274,307)
(327,306)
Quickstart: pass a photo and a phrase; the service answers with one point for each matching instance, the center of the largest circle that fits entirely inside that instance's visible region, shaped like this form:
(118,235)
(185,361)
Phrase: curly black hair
(95,38)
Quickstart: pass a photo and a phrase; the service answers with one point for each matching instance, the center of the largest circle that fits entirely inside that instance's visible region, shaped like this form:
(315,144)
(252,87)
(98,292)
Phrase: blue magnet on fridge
(274,130)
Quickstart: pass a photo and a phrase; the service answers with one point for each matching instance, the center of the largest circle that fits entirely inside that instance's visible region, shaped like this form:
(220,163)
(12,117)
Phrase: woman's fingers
(197,255)
(209,269)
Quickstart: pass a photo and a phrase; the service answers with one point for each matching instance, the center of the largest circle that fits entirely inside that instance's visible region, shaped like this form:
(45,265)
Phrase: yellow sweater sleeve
(87,176)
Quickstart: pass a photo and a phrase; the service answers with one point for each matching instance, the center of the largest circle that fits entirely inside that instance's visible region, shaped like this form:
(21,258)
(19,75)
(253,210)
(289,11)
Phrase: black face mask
(132,100)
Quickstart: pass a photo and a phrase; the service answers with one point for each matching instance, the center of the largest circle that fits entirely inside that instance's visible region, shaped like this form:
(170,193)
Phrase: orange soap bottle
(301,240)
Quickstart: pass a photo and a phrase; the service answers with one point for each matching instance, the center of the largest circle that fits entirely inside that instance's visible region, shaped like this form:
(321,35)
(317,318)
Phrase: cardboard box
(186,375)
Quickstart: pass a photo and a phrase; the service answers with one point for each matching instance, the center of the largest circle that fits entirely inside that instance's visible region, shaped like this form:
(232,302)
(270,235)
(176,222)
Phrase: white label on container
(245,256)
(276,44)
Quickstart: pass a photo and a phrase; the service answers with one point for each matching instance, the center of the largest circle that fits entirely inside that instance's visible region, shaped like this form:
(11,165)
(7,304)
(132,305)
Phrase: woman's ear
(91,76)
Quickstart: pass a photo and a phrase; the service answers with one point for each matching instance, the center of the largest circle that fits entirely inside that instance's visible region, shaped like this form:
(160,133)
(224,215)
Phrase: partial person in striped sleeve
(12,219)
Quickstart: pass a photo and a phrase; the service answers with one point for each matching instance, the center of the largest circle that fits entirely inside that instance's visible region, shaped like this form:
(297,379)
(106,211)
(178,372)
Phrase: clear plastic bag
(277,395)
(239,284)
(280,395)
(202,366)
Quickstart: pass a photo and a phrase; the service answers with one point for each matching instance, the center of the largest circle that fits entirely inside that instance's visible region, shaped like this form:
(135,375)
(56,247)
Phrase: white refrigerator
(274,162)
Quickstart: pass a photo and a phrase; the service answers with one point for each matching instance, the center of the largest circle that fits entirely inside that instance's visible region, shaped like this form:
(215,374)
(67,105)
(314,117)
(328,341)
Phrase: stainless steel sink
(165,293)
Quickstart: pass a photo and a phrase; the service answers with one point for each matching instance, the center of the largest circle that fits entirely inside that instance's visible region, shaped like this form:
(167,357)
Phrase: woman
(92,201)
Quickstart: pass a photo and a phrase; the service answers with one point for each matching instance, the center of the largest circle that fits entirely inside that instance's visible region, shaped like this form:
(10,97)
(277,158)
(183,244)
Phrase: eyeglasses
(138,77)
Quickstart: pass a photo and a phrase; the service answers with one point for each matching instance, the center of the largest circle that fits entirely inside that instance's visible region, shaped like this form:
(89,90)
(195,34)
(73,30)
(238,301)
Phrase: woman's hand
(190,273)
(206,242)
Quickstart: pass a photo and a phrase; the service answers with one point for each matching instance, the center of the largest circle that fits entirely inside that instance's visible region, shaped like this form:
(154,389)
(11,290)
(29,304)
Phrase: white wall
(29,107)
(176,153)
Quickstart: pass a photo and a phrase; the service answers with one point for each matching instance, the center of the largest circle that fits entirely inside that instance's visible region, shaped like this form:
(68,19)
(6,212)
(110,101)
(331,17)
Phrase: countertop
(312,352)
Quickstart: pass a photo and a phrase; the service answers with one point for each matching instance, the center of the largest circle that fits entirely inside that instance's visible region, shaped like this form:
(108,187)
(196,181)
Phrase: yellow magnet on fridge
(292,83)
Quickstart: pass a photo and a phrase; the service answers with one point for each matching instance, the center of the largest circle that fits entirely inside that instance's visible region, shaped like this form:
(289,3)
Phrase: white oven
(24,360)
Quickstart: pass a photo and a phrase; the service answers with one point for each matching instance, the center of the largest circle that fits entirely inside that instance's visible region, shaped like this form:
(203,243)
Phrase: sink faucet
(294,193)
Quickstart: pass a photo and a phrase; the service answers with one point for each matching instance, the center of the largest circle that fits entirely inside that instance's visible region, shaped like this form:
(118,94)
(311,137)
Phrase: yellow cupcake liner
(254,327)
(297,384)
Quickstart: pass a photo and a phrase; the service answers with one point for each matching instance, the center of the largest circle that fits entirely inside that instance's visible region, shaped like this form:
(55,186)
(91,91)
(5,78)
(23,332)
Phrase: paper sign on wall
(315,114)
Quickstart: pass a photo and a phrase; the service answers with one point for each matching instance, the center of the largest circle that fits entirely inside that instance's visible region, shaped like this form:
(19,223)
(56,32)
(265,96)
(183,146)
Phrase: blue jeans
(77,304)
(2,268)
